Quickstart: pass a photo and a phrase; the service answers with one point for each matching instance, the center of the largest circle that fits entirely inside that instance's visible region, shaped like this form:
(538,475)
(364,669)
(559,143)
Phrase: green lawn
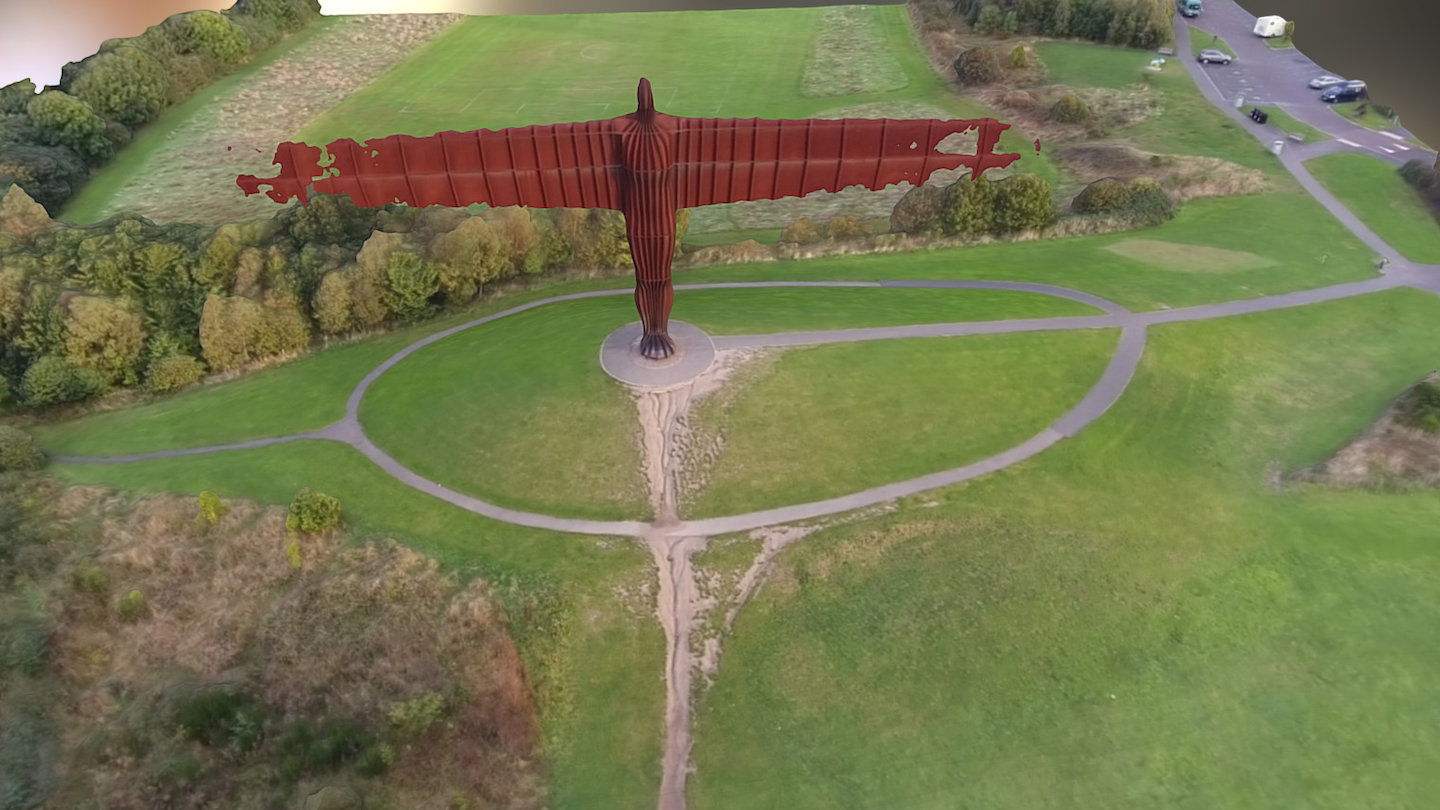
(1201,40)
(825,421)
(519,412)
(574,67)
(155,138)
(1186,123)
(1287,123)
(1130,620)
(583,644)
(1372,189)
(1279,43)
(1369,119)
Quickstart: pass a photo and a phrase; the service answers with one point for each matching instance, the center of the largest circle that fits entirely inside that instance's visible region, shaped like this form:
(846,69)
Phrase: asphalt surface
(1266,76)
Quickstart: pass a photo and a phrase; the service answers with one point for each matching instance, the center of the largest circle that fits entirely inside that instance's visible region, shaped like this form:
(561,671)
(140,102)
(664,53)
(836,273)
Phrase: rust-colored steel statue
(647,165)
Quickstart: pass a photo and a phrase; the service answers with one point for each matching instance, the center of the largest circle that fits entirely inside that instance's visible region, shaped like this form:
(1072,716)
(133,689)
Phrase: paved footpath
(1112,383)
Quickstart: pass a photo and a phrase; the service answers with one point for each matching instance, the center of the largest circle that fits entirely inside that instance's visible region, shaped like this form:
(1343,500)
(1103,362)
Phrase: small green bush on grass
(18,450)
(132,606)
(219,716)
(173,372)
(312,512)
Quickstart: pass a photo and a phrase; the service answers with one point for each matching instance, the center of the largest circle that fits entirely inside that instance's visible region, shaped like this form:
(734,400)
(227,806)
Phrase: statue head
(645,98)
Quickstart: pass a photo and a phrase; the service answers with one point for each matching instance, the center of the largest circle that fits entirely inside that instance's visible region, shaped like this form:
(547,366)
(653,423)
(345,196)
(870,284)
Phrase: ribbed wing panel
(554,166)
(721,160)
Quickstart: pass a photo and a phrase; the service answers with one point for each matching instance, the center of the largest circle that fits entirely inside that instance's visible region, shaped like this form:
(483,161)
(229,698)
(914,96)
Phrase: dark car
(1348,91)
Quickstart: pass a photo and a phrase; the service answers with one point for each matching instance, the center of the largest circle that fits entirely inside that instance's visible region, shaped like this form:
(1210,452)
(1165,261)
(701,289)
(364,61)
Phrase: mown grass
(576,67)
(826,421)
(582,643)
(1376,194)
(156,137)
(1350,111)
(1288,123)
(1198,42)
(1131,619)
(519,412)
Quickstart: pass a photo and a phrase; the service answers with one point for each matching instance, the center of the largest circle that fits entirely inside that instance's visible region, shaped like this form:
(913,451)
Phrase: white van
(1271,26)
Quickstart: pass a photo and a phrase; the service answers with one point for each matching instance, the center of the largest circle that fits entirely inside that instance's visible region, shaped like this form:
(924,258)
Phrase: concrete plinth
(620,356)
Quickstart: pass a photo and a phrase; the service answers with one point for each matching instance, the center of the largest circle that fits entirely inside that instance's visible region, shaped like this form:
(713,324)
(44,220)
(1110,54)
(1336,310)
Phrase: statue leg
(653,299)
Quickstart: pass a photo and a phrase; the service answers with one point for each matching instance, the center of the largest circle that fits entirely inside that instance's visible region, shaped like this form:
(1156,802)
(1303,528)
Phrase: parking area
(1268,76)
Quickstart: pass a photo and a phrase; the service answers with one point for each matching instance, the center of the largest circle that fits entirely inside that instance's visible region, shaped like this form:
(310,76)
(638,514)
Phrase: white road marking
(1348,143)
(1386,150)
(1392,135)
(1402,147)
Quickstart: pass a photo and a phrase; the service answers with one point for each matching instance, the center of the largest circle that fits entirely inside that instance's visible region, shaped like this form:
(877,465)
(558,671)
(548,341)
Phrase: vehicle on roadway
(1346,91)
(1211,55)
(1190,8)
(1322,82)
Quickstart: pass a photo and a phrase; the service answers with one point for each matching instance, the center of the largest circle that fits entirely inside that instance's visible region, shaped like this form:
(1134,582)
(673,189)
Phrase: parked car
(1211,55)
(1345,91)
(1322,82)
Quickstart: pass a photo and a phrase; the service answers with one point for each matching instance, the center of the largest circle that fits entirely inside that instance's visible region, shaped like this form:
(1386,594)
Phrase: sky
(1389,43)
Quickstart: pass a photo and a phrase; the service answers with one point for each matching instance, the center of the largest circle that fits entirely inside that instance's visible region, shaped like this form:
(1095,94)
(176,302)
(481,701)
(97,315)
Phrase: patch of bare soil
(353,633)
(194,180)
(1389,455)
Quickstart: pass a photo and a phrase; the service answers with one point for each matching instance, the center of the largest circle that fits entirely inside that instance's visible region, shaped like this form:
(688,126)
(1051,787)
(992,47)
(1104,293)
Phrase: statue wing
(721,160)
(555,166)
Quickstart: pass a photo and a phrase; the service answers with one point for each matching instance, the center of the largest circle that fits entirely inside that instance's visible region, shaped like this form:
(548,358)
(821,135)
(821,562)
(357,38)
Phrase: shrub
(919,211)
(970,208)
(1019,100)
(847,227)
(1424,409)
(18,450)
(376,760)
(1071,109)
(126,84)
(53,381)
(1018,59)
(1010,25)
(802,231)
(132,605)
(219,715)
(65,120)
(411,283)
(305,749)
(27,648)
(212,508)
(416,715)
(293,556)
(1419,174)
(312,512)
(89,577)
(1148,201)
(976,66)
(1023,202)
(104,334)
(173,372)
(1102,196)
(989,21)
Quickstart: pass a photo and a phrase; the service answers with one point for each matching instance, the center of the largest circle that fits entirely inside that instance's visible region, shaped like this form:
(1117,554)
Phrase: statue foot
(657,347)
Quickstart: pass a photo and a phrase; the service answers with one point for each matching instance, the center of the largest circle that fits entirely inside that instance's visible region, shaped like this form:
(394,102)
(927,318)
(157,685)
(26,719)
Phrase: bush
(65,120)
(970,209)
(293,556)
(27,648)
(53,381)
(132,606)
(173,372)
(18,450)
(803,231)
(219,716)
(49,174)
(411,283)
(126,84)
(89,577)
(919,211)
(376,760)
(847,227)
(1148,201)
(1019,100)
(989,21)
(1071,109)
(1424,409)
(212,508)
(304,749)
(416,715)
(976,66)
(1419,174)
(312,512)
(1023,202)
(1018,58)
(1102,196)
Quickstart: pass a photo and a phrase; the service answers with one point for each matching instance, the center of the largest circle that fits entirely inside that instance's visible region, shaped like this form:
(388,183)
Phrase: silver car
(1211,55)
(1322,82)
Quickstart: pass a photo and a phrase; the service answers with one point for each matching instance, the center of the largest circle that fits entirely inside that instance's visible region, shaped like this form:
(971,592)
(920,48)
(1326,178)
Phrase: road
(1265,76)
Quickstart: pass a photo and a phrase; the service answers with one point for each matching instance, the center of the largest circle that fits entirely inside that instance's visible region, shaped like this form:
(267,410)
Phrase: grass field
(1350,111)
(825,421)
(546,69)
(1202,40)
(1287,123)
(1186,122)
(1132,619)
(1279,43)
(583,643)
(1374,192)
(156,138)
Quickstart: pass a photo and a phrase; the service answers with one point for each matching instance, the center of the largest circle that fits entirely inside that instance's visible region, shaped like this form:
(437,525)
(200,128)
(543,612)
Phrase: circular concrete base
(620,356)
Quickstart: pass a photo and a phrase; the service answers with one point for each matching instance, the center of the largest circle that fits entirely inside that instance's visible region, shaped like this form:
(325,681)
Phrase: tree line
(50,142)
(1135,23)
(126,302)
